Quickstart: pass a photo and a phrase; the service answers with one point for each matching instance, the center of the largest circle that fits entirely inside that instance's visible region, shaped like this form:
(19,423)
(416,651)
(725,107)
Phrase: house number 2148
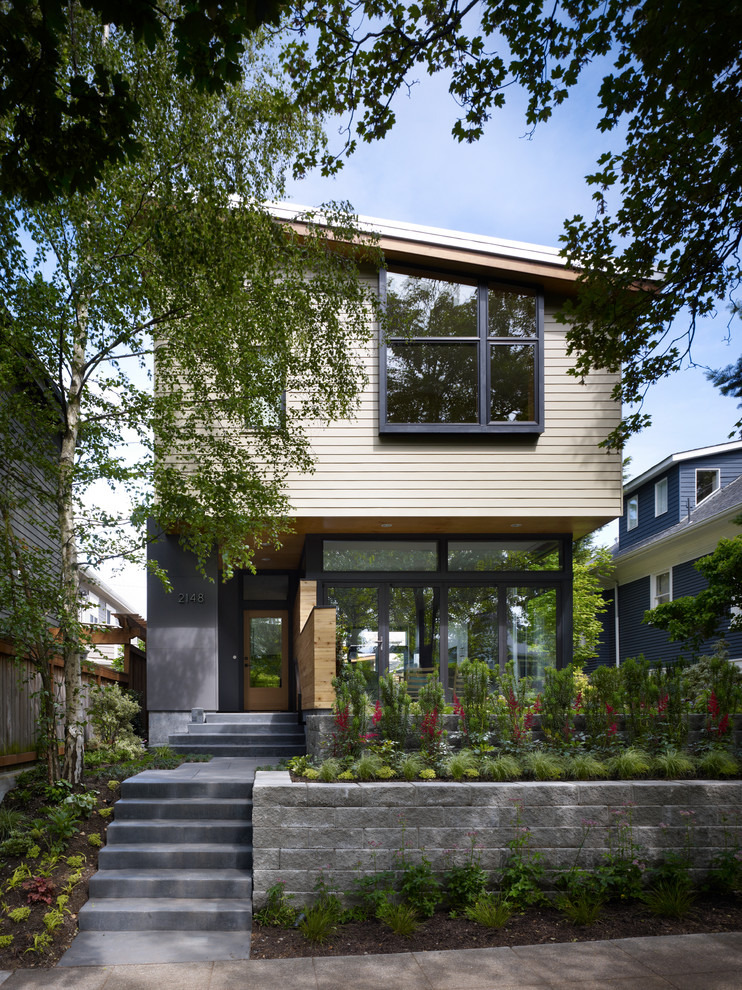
(186,599)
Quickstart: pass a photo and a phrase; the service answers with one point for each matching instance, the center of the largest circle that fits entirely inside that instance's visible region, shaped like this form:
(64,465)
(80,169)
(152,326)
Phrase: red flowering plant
(349,712)
(432,700)
(718,722)
(600,704)
(515,710)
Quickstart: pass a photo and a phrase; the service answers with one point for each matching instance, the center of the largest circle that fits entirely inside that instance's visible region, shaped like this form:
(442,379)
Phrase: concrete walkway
(675,962)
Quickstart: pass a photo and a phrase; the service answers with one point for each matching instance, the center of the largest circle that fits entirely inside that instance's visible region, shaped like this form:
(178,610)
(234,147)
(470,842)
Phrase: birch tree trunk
(70,630)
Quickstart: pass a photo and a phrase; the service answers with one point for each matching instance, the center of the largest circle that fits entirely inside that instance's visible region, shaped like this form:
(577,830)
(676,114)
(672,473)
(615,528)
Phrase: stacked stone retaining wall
(347,829)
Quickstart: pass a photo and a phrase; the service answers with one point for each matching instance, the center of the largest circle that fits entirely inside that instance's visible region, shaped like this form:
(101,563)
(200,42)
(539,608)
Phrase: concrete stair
(178,865)
(257,735)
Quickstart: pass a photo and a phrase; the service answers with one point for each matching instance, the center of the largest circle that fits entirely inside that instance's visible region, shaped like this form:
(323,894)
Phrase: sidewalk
(675,962)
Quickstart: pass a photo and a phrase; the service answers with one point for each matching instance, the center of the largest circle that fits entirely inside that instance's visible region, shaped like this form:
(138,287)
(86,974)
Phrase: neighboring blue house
(673,514)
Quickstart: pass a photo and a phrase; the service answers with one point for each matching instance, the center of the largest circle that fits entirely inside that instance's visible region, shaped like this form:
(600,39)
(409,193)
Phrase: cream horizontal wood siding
(562,473)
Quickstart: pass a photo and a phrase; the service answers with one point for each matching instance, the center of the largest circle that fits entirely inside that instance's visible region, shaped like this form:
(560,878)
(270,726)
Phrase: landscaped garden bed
(50,835)
(510,818)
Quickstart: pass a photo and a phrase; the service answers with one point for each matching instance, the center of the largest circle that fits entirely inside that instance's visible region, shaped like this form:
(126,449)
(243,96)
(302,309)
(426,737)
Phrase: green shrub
(401,918)
(411,766)
(717,763)
(542,765)
(111,712)
(582,908)
(95,840)
(11,821)
(329,770)
(601,701)
(501,768)
(277,912)
(490,910)
(673,765)
(318,923)
(395,720)
(585,766)
(459,762)
(474,702)
(19,914)
(559,706)
(630,763)
(669,898)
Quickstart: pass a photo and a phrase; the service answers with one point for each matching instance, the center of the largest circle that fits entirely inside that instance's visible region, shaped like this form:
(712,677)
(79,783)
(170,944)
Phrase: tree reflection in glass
(357,630)
(472,628)
(531,631)
(431,381)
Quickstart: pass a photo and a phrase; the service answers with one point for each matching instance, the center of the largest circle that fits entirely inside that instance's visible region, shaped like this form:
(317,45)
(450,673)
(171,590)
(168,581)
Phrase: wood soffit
(288,557)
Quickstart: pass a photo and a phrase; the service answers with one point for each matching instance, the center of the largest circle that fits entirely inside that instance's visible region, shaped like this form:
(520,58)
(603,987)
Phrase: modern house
(438,522)
(674,514)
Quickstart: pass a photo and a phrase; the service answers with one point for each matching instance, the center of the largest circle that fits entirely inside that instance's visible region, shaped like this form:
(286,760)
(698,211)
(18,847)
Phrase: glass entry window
(266,661)
(531,630)
(414,639)
(357,637)
(472,628)
(497,599)
(387,627)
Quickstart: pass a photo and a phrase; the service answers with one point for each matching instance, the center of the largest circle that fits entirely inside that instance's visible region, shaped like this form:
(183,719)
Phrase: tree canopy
(672,76)
(693,619)
(64,119)
(255,326)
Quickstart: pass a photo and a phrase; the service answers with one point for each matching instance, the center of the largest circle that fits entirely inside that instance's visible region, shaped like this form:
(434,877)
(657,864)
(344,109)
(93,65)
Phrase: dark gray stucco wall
(182,671)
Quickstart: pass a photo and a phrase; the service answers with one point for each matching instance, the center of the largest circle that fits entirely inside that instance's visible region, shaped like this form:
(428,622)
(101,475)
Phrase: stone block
(309,860)
(340,795)
(441,795)
(389,794)
(364,817)
(389,838)
(266,859)
(323,817)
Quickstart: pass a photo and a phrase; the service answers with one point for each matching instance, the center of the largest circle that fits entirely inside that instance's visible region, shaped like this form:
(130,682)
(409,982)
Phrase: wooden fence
(19,704)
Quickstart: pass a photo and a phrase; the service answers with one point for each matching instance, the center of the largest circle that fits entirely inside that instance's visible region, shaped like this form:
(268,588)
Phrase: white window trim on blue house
(632,513)
(660,497)
(661,591)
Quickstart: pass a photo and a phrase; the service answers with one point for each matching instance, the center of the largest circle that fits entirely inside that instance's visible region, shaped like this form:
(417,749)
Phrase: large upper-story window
(460,355)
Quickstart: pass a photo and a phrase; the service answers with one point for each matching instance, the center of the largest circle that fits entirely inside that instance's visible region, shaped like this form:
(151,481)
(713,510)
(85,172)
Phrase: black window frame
(484,343)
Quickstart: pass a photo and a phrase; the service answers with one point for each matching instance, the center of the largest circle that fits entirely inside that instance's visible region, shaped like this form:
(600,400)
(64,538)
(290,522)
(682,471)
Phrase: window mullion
(483,361)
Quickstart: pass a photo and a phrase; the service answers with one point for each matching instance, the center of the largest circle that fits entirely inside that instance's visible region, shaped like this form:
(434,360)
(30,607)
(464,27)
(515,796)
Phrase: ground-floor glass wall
(498,601)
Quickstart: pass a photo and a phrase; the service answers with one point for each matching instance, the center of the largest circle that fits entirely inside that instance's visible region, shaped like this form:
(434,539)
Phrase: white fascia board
(684,455)
(436,236)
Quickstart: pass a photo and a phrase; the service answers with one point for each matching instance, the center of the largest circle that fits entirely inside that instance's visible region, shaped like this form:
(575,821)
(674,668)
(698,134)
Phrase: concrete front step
(264,730)
(144,787)
(175,856)
(171,883)
(115,948)
(261,751)
(157,830)
(247,728)
(172,808)
(252,718)
(165,914)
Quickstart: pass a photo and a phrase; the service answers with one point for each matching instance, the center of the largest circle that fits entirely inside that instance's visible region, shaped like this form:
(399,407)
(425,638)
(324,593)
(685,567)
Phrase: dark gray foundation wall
(193,653)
